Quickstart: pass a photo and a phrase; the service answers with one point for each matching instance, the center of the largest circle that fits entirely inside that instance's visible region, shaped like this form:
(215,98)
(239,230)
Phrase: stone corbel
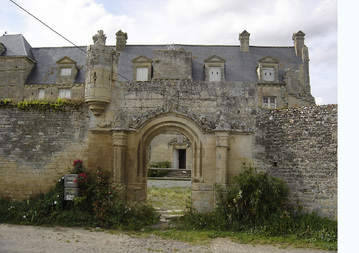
(97,107)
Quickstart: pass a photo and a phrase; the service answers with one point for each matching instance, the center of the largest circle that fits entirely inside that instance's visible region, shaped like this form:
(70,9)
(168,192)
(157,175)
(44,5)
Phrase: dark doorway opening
(182,159)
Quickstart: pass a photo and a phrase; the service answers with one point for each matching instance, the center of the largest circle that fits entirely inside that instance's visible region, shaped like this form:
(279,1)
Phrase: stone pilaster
(119,145)
(222,148)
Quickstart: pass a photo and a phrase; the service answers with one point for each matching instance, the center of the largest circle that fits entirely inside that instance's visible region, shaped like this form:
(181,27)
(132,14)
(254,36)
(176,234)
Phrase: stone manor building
(219,105)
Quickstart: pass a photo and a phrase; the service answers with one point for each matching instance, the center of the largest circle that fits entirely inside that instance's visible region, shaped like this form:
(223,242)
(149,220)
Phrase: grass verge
(178,198)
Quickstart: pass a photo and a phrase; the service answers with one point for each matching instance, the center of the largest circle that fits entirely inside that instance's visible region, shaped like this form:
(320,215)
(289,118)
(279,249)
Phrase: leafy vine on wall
(59,105)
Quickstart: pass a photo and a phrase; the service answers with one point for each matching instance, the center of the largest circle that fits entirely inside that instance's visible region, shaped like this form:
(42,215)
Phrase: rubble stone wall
(299,145)
(38,147)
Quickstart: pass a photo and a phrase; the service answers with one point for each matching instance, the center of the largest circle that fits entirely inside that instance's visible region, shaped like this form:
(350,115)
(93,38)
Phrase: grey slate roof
(16,45)
(239,66)
(44,71)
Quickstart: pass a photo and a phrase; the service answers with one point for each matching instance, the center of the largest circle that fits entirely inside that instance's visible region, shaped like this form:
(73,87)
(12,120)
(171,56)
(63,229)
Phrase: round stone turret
(98,74)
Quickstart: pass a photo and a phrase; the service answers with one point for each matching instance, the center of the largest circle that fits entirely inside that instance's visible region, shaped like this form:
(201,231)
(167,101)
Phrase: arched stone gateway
(211,157)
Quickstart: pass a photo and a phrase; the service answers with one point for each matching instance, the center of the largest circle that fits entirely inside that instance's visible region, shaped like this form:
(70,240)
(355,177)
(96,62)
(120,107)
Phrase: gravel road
(16,239)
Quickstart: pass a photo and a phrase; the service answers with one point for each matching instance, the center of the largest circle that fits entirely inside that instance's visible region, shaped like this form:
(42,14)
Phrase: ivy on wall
(59,105)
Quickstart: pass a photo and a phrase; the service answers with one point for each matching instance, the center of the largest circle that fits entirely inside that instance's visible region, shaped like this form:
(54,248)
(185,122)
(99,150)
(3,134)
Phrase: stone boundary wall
(299,145)
(37,148)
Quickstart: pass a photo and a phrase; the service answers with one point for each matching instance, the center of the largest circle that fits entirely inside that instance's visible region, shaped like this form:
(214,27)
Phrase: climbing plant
(59,105)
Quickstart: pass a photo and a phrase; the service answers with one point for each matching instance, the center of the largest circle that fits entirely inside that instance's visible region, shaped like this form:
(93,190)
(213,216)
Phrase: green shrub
(99,204)
(254,198)
(258,204)
(159,173)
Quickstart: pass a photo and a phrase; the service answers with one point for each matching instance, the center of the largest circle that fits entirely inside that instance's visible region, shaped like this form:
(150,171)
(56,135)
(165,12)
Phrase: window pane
(41,93)
(64,93)
(66,72)
(268,74)
(142,74)
(215,74)
(269,102)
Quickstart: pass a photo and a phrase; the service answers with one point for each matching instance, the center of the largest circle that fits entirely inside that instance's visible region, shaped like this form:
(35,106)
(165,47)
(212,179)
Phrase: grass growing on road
(174,199)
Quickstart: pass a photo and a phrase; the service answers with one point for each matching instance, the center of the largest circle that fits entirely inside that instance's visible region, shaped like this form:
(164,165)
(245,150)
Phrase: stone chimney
(121,40)
(298,39)
(244,40)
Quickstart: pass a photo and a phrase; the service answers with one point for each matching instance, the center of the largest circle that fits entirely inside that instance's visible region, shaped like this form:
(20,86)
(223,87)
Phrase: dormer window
(66,70)
(267,70)
(142,67)
(214,68)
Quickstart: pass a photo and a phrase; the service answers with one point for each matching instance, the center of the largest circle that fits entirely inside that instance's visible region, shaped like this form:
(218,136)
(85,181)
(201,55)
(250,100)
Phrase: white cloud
(76,20)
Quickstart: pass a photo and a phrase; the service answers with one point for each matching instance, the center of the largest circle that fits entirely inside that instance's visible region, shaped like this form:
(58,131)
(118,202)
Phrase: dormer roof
(66,60)
(268,59)
(215,59)
(141,59)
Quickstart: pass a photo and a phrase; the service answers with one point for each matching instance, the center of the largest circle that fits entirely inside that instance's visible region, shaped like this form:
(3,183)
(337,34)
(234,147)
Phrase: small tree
(254,198)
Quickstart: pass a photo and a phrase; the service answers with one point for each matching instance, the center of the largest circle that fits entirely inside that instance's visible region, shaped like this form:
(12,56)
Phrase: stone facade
(217,97)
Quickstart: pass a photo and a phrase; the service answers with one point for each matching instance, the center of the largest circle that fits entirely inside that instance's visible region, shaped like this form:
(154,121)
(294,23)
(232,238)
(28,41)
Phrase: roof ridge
(201,45)
(165,45)
(58,47)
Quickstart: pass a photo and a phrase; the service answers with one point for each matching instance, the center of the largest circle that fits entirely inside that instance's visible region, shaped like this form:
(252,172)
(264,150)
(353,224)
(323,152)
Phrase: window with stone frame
(269,102)
(142,68)
(66,70)
(267,70)
(64,93)
(214,69)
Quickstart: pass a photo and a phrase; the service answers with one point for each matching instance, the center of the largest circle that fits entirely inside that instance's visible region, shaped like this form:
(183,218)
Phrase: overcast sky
(207,22)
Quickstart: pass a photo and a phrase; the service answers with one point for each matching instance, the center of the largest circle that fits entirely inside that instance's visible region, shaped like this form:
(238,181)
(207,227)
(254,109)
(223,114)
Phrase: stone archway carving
(210,157)
(139,140)
(175,126)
